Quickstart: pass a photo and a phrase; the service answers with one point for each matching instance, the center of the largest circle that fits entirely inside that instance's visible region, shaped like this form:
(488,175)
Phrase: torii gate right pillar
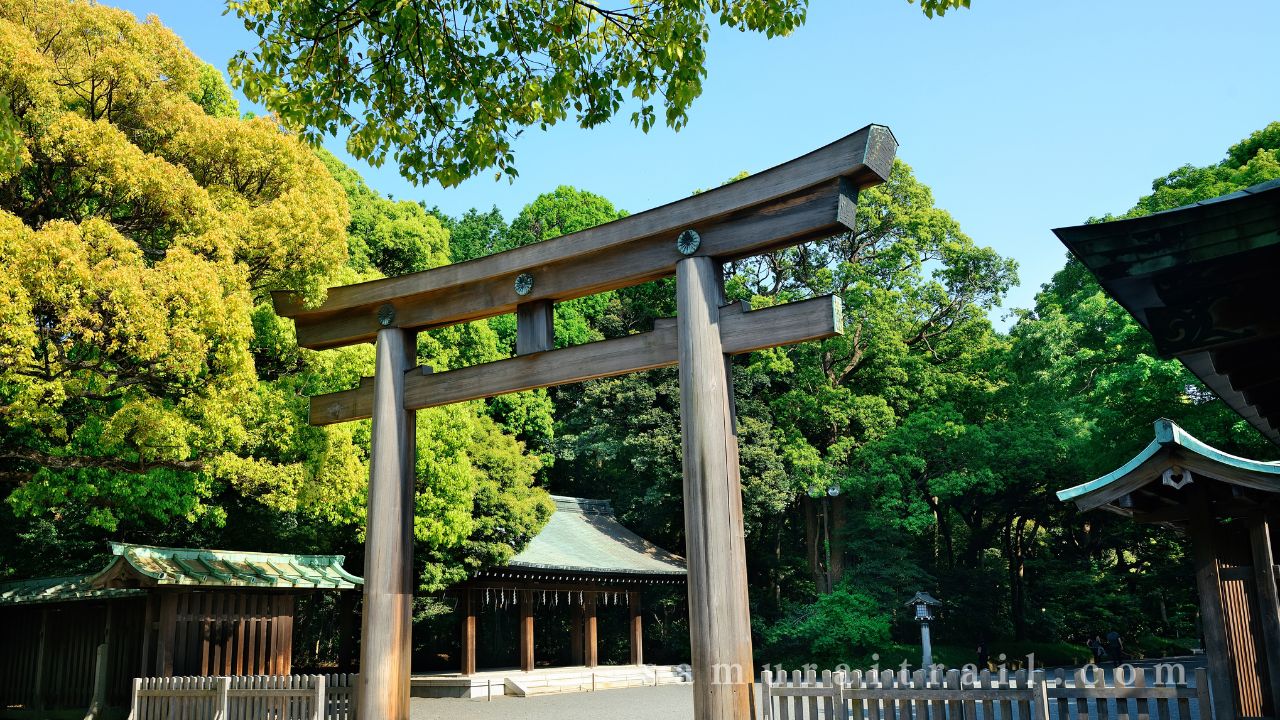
(719,619)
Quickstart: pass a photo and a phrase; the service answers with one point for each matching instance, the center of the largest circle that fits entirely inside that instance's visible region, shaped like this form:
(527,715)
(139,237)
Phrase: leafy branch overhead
(444,87)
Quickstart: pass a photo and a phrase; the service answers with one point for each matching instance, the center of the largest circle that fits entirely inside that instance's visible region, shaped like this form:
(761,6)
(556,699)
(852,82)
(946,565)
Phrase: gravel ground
(667,702)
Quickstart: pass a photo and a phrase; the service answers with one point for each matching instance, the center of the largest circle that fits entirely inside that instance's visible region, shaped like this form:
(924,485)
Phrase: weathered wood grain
(576,623)
(1209,585)
(715,550)
(815,213)
(637,628)
(468,622)
(1268,599)
(811,196)
(590,632)
(535,327)
(740,332)
(526,630)
(388,581)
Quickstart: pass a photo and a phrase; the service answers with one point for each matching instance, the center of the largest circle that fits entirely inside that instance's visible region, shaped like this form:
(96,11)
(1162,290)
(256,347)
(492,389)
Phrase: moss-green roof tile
(136,567)
(583,536)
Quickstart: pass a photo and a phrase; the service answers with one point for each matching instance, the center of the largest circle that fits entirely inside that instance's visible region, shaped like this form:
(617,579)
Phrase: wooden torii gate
(811,197)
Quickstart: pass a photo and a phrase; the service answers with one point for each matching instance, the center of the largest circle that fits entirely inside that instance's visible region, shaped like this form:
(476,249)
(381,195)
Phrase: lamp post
(922,604)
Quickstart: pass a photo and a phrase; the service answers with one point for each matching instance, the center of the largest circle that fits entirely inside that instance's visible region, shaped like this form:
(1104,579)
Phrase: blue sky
(1022,115)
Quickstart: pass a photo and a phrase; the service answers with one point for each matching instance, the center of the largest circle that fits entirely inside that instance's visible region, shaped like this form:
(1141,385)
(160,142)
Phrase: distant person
(1115,648)
(1097,648)
(984,655)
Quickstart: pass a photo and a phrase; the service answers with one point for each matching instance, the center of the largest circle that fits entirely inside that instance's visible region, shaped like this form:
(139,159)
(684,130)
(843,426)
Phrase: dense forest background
(149,394)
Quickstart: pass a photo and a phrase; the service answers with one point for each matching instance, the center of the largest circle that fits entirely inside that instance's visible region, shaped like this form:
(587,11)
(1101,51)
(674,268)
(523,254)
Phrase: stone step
(585,681)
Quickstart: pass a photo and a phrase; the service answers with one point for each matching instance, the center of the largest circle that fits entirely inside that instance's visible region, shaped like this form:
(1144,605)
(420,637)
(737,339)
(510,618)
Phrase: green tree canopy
(141,229)
(445,87)
(147,390)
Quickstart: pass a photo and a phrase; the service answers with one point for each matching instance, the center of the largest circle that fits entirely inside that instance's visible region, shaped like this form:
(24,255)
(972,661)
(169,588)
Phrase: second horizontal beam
(741,331)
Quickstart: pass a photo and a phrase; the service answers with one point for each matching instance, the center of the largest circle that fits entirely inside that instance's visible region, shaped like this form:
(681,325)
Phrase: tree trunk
(1015,554)
(777,557)
(944,533)
(813,542)
(839,548)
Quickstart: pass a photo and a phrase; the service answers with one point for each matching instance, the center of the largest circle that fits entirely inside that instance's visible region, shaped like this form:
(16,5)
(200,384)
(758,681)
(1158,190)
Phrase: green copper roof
(583,536)
(136,567)
(60,589)
(1173,449)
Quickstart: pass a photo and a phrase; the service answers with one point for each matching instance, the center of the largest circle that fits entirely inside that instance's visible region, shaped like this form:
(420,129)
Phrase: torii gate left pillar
(385,630)
(715,545)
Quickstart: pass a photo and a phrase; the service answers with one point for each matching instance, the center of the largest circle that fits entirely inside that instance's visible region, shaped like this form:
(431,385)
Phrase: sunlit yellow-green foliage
(145,384)
(138,228)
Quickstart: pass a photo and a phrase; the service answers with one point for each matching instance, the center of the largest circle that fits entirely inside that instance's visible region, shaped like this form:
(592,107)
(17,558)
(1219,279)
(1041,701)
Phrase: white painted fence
(953,696)
(248,697)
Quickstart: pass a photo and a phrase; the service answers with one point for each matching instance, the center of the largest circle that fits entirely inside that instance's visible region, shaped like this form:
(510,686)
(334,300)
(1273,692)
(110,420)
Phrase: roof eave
(1172,446)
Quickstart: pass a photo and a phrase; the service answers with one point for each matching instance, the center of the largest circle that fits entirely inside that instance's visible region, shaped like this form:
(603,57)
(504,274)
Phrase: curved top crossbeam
(806,198)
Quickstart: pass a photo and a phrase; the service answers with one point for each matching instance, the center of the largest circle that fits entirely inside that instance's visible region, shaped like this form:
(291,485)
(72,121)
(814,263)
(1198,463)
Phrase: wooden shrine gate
(813,196)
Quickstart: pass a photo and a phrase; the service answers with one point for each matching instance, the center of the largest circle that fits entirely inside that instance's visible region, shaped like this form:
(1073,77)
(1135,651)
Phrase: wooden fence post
(766,693)
(855,701)
(137,695)
(841,711)
(955,709)
(319,712)
(828,703)
(1042,695)
(220,709)
(1203,702)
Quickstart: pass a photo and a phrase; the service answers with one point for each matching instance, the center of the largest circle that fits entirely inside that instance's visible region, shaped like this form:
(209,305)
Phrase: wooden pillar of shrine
(467,648)
(1264,570)
(719,621)
(590,643)
(1212,617)
(388,557)
(575,635)
(526,630)
(637,629)
(42,643)
(166,634)
(148,620)
(347,616)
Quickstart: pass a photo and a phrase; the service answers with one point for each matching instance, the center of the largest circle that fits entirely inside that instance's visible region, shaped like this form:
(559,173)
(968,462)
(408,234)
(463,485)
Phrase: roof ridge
(585,505)
(119,548)
(31,582)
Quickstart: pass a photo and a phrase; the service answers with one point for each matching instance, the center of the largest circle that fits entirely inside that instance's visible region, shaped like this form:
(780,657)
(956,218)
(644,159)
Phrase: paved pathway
(667,702)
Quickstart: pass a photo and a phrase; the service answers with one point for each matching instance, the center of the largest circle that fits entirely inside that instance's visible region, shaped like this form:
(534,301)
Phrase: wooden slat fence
(1160,695)
(249,697)
(954,696)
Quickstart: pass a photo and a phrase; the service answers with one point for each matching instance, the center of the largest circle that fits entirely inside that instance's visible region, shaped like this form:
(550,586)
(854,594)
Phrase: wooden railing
(982,696)
(1134,697)
(256,697)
